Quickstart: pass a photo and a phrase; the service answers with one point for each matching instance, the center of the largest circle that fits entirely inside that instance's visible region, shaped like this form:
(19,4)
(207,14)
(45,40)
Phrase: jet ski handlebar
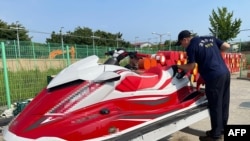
(120,54)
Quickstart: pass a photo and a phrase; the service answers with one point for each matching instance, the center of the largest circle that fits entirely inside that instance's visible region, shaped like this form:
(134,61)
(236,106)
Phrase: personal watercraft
(91,101)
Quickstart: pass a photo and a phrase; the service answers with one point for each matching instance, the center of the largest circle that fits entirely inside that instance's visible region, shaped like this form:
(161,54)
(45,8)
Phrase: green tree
(85,36)
(222,24)
(4,34)
(245,46)
(9,32)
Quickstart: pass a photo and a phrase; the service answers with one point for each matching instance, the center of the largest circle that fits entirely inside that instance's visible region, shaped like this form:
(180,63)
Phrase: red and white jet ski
(89,101)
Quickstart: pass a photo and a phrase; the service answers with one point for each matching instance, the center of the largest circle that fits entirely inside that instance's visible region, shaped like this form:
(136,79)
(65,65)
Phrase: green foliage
(248,58)
(245,46)
(222,24)
(88,37)
(9,31)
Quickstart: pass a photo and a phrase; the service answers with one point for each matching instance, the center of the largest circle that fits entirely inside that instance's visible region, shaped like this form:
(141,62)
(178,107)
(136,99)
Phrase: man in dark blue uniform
(206,52)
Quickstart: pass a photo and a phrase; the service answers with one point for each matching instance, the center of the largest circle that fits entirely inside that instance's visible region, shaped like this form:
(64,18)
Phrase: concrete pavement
(239,111)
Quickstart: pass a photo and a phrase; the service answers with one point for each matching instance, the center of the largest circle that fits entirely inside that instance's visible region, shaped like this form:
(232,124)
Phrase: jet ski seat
(137,82)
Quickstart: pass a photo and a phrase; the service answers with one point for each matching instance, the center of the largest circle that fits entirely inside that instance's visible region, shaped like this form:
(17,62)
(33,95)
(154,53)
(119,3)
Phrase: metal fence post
(75,52)
(87,51)
(239,50)
(68,58)
(15,48)
(34,55)
(6,80)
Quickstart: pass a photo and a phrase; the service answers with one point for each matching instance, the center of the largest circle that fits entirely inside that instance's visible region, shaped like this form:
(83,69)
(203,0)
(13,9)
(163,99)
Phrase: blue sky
(135,19)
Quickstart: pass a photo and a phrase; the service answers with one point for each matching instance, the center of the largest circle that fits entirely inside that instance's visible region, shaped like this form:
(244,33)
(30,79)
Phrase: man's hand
(175,69)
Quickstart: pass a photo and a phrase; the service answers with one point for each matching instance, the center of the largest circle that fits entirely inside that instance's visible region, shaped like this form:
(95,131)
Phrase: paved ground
(239,111)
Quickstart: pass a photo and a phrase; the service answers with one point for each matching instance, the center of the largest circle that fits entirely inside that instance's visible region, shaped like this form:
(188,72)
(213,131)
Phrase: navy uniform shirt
(205,51)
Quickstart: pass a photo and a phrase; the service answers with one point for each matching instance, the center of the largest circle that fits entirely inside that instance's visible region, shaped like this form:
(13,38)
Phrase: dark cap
(183,34)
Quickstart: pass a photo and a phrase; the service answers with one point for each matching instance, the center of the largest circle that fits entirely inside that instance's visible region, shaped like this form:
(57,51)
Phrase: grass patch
(24,84)
(248,58)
